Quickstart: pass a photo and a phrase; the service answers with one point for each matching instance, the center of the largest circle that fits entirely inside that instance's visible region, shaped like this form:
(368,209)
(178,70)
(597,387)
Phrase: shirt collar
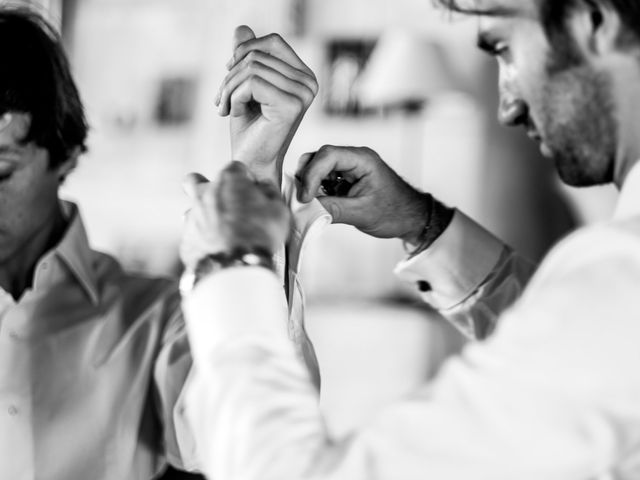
(75,252)
(629,201)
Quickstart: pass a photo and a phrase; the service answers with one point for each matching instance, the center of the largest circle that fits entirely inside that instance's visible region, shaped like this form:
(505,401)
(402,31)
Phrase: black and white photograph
(319,239)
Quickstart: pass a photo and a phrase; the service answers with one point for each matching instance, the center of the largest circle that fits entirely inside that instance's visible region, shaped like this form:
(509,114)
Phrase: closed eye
(492,46)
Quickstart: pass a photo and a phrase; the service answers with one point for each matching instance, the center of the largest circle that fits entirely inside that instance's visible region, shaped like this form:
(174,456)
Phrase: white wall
(129,184)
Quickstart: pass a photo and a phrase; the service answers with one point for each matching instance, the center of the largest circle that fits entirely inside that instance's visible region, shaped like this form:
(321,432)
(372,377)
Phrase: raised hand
(266,93)
(379,202)
(234,213)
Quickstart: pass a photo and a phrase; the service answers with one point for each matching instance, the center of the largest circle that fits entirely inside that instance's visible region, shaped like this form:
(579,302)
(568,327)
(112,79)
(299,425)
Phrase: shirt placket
(16,431)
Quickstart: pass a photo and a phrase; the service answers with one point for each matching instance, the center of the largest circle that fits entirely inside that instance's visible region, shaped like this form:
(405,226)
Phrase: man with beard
(554,393)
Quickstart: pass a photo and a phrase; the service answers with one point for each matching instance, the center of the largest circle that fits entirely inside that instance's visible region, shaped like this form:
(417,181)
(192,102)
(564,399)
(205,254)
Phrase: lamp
(404,70)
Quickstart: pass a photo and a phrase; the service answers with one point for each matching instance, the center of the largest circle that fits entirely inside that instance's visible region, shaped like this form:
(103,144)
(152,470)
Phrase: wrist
(266,170)
(418,218)
(215,262)
(435,222)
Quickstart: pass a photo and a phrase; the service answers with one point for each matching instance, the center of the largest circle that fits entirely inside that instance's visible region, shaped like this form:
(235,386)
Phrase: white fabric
(473,276)
(554,394)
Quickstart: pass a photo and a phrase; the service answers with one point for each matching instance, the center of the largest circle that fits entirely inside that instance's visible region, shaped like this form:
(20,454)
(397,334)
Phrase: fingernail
(230,63)
(217,100)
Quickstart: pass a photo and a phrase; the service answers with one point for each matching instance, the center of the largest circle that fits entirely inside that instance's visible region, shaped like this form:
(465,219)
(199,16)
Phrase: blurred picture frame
(346,59)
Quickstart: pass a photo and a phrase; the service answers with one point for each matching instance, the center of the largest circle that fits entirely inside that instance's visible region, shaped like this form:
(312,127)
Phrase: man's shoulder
(128,287)
(596,247)
(615,236)
(590,276)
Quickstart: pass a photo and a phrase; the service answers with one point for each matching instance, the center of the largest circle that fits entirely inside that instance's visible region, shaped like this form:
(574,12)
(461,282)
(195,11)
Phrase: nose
(513,111)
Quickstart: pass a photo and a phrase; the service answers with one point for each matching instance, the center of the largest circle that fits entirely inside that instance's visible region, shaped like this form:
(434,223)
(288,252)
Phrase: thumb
(242,34)
(191,182)
(341,209)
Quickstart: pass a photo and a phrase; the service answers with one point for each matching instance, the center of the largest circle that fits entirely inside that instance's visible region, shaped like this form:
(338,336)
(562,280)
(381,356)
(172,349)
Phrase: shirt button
(424,286)
(13,410)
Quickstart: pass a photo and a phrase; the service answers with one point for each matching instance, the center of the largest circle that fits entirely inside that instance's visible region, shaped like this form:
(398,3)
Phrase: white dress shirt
(553,394)
(93,361)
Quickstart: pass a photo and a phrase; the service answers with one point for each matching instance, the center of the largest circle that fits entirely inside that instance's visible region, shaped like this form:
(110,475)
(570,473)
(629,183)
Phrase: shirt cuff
(219,309)
(455,265)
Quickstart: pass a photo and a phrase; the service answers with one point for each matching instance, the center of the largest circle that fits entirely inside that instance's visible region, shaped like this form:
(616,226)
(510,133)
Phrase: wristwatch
(214,262)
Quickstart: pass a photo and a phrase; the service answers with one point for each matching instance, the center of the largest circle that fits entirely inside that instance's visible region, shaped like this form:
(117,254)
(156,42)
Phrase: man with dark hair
(554,393)
(35,78)
(93,360)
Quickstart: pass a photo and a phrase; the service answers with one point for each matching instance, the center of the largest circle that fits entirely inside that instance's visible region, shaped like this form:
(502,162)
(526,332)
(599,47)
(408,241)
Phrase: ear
(69,164)
(595,26)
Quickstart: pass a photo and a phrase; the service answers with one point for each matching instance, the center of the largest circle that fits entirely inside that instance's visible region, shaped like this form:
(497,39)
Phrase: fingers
(200,236)
(235,169)
(266,56)
(304,76)
(238,186)
(252,214)
(242,34)
(274,45)
(271,69)
(352,163)
(258,89)
(234,212)
(269,75)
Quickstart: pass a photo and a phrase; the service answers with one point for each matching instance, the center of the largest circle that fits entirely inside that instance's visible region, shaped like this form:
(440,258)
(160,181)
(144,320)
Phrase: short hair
(35,78)
(553,14)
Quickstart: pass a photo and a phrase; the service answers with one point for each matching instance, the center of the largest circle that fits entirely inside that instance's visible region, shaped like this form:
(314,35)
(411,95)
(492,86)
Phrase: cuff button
(424,286)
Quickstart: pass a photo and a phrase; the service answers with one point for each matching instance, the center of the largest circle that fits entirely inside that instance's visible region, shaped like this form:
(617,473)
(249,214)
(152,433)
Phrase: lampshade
(403,68)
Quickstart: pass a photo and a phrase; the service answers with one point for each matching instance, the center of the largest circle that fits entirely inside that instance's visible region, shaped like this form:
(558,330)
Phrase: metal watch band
(215,262)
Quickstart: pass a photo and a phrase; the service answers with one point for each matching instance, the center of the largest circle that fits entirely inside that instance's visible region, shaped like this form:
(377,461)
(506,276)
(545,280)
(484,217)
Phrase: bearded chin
(580,127)
(586,166)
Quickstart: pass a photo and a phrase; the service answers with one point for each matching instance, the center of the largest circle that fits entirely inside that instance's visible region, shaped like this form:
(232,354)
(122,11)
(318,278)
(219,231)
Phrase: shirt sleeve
(551,395)
(172,371)
(468,275)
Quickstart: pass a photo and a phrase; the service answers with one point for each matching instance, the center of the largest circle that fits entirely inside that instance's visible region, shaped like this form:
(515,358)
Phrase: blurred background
(398,76)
